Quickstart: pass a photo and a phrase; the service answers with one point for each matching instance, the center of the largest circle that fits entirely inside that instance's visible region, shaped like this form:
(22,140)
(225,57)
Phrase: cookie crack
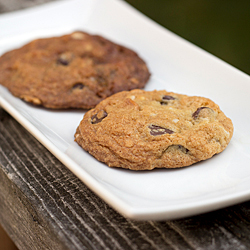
(175,147)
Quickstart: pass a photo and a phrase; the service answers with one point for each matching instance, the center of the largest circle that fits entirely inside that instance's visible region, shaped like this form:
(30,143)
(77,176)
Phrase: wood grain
(12,5)
(44,206)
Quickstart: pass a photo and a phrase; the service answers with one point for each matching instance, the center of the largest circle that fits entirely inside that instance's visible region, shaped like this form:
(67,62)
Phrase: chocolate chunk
(98,117)
(78,85)
(166,98)
(157,130)
(197,112)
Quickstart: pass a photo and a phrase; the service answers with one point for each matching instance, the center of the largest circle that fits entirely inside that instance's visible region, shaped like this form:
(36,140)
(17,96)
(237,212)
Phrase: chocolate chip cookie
(76,70)
(143,130)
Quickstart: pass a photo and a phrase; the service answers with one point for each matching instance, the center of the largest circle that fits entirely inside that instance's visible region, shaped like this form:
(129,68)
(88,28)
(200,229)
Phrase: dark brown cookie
(143,130)
(77,70)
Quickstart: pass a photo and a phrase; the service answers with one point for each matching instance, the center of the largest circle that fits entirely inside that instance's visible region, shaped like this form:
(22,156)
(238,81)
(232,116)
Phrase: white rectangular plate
(176,65)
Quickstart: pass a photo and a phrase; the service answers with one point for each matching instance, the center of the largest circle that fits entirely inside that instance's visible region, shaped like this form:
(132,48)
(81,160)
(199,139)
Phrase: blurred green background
(221,27)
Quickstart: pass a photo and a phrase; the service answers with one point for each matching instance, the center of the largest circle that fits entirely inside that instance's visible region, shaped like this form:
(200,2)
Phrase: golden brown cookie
(77,70)
(142,130)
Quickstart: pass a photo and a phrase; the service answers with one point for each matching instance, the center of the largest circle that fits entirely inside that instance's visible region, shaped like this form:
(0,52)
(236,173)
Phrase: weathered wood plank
(43,206)
(12,5)
(20,219)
